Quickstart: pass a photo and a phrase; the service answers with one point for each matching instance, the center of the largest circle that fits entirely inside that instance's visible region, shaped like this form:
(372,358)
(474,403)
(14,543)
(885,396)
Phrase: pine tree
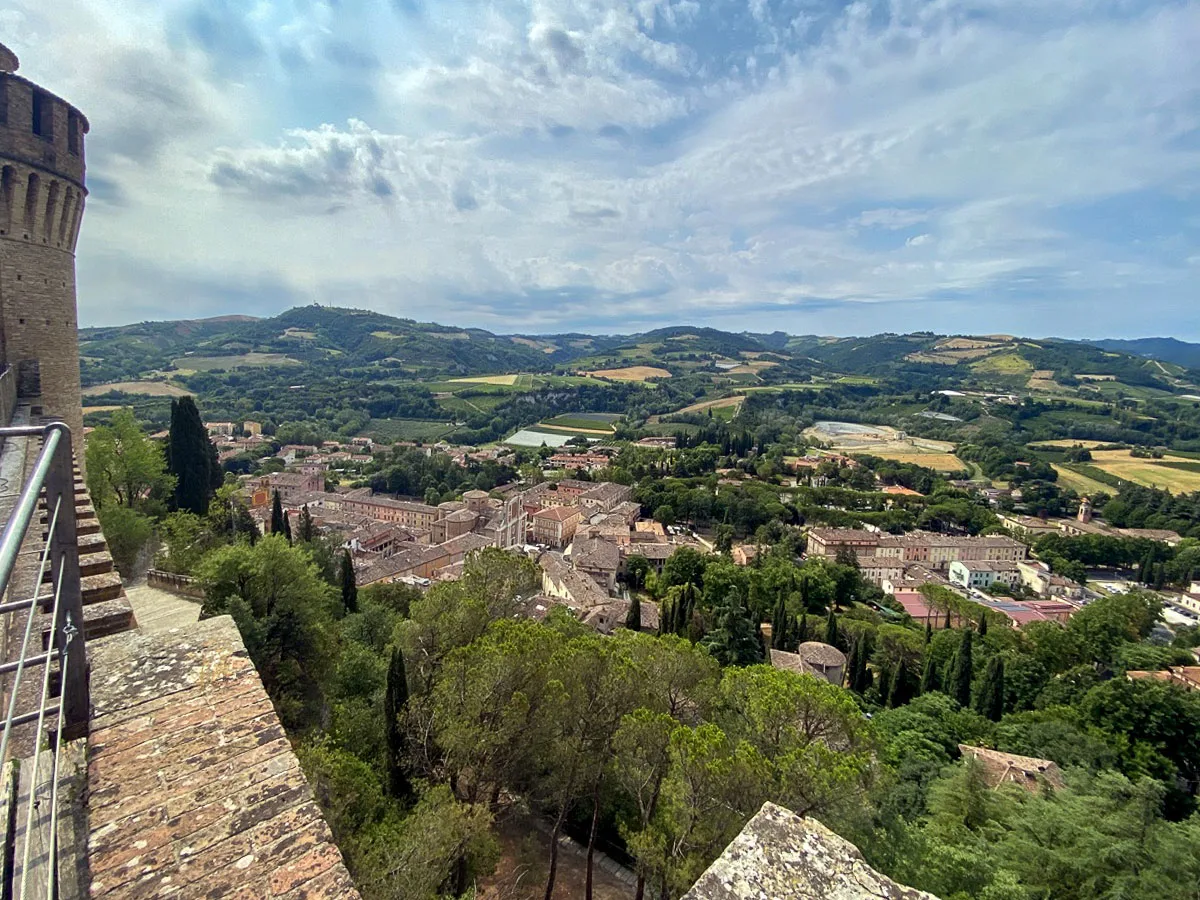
(349,584)
(959,682)
(633,619)
(734,641)
(983,626)
(831,629)
(192,458)
(308,529)
(276,514)
(395,699)
(990,701)
(929,679)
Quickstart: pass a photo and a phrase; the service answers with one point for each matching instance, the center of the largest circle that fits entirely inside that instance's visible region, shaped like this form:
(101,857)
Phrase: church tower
(41,205)
(1085,510)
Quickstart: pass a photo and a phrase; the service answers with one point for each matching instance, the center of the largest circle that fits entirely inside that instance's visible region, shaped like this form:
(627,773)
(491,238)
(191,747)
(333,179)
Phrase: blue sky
(951,165)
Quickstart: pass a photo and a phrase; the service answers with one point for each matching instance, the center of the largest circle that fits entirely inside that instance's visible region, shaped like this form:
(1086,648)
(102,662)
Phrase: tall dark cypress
(928,631)
(990,701)
(395,698)
(897,687)
(929,679)
(277,520)
(779,625)
(802,629)
(308,529)
(983,626)
(349,584)
(191,458)
(947,625)
(862,675)
(958,685)
(633,619)
(852,666)
(287,528)
(831,629)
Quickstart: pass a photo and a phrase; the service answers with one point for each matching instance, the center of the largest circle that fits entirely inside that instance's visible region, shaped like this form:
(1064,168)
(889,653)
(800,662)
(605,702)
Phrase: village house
(1026,772)
(813,658)
(982,574)
(596,557)
(554,526)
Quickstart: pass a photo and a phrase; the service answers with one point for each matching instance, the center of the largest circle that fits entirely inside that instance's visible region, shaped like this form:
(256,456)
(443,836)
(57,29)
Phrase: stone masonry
(193,788)
(42,195)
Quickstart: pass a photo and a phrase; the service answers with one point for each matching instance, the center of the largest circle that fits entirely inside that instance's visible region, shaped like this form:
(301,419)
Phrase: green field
(586,422)
(241,360)
(388,430)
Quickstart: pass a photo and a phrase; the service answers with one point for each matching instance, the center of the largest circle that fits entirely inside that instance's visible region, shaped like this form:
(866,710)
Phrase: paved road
(158,610)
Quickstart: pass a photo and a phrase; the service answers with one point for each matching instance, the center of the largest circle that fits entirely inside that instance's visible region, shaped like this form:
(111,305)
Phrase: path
(157,610)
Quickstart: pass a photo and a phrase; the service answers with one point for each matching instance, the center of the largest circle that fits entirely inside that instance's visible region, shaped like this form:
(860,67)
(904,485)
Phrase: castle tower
(41,204)
(1085,510)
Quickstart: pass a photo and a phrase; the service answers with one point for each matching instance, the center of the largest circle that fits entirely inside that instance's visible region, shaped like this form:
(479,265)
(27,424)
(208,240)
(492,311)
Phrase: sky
(959,166)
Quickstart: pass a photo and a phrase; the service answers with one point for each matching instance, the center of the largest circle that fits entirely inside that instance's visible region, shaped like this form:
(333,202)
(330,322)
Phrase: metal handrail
(52,477)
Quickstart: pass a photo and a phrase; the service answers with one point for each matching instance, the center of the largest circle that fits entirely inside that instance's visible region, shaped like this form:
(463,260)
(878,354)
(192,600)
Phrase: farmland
(1081,484)
(1174,474)
(630,373)
(241,360)
(149,388)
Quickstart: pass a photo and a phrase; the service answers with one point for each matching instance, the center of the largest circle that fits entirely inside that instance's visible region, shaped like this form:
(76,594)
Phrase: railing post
(74,695)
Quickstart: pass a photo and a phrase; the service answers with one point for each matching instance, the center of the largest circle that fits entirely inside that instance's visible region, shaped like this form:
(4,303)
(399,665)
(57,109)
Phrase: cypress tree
(349,584)
(778,625)
(308,530)
(947,625)
(929,679)
(831,629)
(633,619)
(277,520)
(862,676)
(1160,576)
(852,666)
(393,705)
(959,682)
(990,701)
(287,528)
(897,688)
(983,626)
(928,631)
(191,458)
(802,629)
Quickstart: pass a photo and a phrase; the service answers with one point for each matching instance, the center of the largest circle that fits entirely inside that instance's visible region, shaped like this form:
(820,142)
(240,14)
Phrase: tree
(307,529)
(929,679)
(636,567)
(734,641)
(831,629)
(958,683)
(349,584)
(126,531)
(989,701)
(277,520)
(394,703)
(287,528)
(191,458)
(633,619)
(124,466)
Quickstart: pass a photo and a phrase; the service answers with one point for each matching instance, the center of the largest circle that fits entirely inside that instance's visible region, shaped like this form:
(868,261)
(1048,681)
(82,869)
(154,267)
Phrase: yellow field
(100,409)
(630,373)
(941,462)
(1148,472)
(1069,442)
(1081,484)
(149,388)
(488,379)
(712,404)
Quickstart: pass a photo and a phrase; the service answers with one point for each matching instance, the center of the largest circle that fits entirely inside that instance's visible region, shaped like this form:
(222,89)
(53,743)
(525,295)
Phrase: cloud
(772,164)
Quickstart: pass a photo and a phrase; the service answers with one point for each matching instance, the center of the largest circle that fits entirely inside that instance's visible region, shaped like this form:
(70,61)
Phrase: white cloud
(782,159)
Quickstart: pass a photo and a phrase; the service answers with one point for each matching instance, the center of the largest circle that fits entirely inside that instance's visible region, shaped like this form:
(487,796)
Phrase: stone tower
(41,205)
(1085,510)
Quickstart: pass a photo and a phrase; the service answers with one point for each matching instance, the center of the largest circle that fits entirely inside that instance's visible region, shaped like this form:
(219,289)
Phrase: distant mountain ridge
(1168,349)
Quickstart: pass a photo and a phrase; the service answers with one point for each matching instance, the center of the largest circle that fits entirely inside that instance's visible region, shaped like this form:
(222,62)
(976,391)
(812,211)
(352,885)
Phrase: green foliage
(124,466)
(191,458)
(958,681)
(127,532)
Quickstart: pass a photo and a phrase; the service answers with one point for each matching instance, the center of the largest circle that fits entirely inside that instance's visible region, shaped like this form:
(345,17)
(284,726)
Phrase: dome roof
(819,654)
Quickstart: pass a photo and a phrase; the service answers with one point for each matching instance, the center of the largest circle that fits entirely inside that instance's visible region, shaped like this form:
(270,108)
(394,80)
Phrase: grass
(241,360)
(149,388)
(1079,482)
(630,373)
(1003,364)
(388,430)
(588,423)
(1174,475)
(507,380)
(704,405)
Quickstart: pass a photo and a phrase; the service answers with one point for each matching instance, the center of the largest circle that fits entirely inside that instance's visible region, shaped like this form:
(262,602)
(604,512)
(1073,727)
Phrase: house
(654,552)
(982,574)
(215,428)
(813,658)
(252,428)
(744,554)
(596,557)
(555,526)
(1185,676)
(1027,772)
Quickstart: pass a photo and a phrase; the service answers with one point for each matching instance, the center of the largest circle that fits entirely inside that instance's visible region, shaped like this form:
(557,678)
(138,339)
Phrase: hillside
(1166,349)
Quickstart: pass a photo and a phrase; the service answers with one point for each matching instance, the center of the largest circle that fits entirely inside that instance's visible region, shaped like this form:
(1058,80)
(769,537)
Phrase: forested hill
(369,345)
(1166,349)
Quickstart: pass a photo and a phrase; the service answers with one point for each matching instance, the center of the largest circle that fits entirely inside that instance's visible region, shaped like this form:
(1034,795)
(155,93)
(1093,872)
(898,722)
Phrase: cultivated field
(941,462)
(886,442)
(241,360)
(508,380)
(630,373)
(148,388)
(582,423)
(1003,364)
(704,405)
(1081,484)
(100,409)
(1068,443)
(1176,474)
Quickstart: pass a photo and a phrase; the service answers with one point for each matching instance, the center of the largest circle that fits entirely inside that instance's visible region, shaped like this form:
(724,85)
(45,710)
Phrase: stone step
(92,543)
(99,588)
(98,563)
(99,620)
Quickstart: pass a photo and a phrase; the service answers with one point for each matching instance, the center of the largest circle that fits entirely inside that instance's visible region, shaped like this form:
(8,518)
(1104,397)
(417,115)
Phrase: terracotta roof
(1028,772)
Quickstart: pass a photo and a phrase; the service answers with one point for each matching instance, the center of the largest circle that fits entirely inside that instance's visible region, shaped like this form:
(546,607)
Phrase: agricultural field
(886,442)
(1081,484)
(87,410)
(1003,364)
(930,459)
(241,360)
(586,423)
(389,430)
(630,373)
(508,380)
(724,408)
(148,388)
(1176,474)
(955,350)
(1067,443)
(531,437)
